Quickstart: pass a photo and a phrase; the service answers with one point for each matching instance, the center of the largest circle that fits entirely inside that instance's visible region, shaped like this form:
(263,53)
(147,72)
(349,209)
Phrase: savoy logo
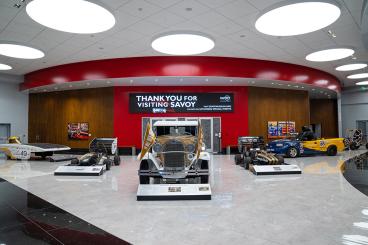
(225,98)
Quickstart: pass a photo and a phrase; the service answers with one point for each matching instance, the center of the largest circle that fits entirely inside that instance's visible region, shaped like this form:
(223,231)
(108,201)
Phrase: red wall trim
(128,127)
(178,66)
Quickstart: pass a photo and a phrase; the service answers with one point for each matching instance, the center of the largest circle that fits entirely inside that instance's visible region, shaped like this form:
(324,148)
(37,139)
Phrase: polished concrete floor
(317,207)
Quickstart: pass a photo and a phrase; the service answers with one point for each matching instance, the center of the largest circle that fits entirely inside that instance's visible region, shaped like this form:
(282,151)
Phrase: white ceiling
(230,22)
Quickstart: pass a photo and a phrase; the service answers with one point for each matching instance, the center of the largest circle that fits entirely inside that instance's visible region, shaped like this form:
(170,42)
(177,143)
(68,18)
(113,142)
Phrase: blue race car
(306,144)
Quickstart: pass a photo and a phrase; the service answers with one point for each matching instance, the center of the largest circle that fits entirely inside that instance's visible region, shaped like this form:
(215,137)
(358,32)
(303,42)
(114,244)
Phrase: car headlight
(157,147)
(190,148)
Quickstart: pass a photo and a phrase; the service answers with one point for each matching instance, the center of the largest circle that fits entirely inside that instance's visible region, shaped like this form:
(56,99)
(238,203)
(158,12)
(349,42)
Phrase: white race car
(16,150)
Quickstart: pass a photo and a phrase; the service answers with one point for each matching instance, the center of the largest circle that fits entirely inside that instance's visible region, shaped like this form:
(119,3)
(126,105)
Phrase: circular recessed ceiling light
(358,76)
(298,18)
(330,54)
(75,16)
(4,67)
(351,67)
(182,43)
(20,51)
(362,83)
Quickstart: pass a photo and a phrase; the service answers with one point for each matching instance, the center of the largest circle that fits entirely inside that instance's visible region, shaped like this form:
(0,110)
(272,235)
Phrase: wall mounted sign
(79,131)
(279,129)
(180,102)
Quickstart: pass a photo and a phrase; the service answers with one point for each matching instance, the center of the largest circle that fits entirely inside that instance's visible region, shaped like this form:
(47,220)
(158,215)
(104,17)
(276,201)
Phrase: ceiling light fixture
(332,87)
(297,18)
(330,54)
(20,51)
(74,16)
(185,43)
(351,67)
(362,83)
(4,67)
(358,76)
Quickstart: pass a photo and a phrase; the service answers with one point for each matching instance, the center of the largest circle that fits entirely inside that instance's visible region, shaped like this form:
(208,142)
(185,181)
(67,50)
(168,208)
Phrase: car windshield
(175,130)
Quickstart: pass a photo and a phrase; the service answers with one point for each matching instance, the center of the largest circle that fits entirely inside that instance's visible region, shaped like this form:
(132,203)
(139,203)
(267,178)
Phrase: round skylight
(298,18)
(183,44)
(351,67)
(330,54)
(75,16)
(362,83)
(4,67)
(20,51)
(358,76)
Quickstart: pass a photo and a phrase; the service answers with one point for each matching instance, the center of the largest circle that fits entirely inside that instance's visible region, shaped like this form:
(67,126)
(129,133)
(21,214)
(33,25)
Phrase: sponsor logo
(159,110)
(225,98)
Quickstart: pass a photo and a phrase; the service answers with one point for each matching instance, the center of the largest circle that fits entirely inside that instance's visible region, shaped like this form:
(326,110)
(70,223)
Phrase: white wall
(354,106)
(14,106)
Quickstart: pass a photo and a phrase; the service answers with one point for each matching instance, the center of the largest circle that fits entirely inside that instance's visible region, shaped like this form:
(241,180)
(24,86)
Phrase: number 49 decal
(322,143)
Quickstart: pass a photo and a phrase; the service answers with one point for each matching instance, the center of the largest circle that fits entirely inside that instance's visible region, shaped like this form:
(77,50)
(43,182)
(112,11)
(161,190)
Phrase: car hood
(281,141)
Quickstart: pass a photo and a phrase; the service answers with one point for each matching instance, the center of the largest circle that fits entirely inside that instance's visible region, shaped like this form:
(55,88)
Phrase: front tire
(144,179)
(204,178)
(108,163)
(247,161)
(292,152)
(280,159)
(238,158)
(332,150)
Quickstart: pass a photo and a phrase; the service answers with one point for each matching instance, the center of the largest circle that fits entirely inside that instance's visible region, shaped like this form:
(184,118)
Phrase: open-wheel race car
(102,151)
(355,139)
(252,151)
(173,153)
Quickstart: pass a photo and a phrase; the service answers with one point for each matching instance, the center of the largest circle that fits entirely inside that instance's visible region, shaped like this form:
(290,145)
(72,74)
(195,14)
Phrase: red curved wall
(128,127)
(177,66)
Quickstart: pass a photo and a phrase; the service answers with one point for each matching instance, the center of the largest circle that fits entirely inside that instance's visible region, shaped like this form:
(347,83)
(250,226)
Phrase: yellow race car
(306,144)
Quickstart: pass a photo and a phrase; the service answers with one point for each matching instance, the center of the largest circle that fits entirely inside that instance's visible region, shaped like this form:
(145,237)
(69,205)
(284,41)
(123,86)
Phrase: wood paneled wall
(324,112)
(49,114)
(266,104)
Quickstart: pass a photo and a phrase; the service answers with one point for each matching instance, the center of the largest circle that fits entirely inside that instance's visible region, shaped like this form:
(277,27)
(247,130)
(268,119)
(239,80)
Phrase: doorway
(211,127)
(362,125)
(4,132)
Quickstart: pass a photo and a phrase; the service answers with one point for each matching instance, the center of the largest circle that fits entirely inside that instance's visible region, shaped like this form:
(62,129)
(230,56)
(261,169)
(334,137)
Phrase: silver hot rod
(173,152)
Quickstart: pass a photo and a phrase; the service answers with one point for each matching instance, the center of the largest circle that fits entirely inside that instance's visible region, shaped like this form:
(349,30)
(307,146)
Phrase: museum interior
(184,122)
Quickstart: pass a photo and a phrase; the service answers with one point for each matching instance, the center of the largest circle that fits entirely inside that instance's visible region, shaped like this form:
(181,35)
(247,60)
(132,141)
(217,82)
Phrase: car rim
(293,152)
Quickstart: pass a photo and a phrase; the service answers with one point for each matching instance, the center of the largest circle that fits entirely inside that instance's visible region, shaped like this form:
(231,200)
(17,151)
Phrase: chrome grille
(174,157)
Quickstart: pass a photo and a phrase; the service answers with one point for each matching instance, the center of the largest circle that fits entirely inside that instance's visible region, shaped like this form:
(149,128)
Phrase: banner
(180,102)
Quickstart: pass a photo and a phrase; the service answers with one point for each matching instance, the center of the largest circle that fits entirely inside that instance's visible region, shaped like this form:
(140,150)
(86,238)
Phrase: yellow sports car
(306,144)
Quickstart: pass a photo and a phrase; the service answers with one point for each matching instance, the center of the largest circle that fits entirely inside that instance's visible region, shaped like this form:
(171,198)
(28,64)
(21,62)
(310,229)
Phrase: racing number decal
(24,153)
(322,143)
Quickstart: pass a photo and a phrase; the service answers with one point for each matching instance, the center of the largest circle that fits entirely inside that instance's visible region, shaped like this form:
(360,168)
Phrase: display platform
(275,169)
(80,170)
(160,192)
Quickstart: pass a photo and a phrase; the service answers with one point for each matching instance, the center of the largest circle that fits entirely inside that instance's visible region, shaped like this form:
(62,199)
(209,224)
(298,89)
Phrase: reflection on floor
(27,219)
(318,207)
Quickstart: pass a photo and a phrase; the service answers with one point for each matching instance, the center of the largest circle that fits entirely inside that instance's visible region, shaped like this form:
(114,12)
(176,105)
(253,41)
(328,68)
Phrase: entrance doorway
(363,125)
(4,132)
(211,127)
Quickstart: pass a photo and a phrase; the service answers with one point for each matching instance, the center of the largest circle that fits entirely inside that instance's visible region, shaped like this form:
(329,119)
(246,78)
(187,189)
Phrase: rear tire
(332,150)
(108,163)
(144,179)
(117,160)
(292,152)
(237,159)
(353,146)
(204,178)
